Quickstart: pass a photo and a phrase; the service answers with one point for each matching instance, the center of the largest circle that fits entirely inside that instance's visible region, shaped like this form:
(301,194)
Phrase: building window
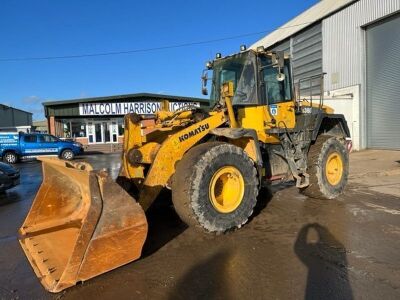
(121,127)
(78,129)
(63,129)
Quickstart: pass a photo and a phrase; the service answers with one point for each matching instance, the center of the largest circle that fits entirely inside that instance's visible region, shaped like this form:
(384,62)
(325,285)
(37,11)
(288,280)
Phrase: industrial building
(357,45)
(97,122)
(14,119)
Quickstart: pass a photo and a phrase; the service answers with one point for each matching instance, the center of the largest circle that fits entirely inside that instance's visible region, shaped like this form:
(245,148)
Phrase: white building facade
(357,45)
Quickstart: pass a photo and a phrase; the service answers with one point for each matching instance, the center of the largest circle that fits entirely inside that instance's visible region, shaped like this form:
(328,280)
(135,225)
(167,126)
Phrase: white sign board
(123,108)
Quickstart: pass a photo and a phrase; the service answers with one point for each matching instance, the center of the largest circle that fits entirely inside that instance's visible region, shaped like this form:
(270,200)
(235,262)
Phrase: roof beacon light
(243,48)
(218,55)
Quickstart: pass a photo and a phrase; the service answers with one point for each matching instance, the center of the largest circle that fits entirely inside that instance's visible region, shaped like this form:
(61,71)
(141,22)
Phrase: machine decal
(273,109)
(194,132)
(41,150)
(306,110)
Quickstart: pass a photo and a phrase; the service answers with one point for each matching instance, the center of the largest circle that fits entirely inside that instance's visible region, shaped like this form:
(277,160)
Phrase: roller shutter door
(383,84)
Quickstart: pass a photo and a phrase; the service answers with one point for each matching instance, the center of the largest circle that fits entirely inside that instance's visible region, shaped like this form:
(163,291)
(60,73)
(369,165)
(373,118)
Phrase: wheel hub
(10,158)
(226,189)
(68,155)
(334,168)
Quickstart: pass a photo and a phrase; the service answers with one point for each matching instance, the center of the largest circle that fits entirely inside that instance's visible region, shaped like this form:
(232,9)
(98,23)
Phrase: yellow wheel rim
(334,168)
(226,189)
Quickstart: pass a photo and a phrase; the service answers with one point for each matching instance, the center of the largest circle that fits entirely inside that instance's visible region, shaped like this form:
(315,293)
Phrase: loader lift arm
(162,156)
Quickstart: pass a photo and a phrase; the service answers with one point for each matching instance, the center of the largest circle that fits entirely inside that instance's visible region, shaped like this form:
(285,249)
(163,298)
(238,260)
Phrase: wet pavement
(293,248)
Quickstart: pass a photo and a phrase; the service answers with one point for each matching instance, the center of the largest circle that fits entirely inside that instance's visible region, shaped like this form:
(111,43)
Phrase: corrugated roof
(126,96)
(3,106)
(311,15)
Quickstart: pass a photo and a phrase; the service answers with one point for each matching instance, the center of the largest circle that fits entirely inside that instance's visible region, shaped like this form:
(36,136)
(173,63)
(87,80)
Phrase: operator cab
(258,77)
(262,97)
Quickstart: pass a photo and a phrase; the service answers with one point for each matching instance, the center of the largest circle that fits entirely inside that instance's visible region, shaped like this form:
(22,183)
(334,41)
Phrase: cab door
(278,97)
(30,145)
(276,107)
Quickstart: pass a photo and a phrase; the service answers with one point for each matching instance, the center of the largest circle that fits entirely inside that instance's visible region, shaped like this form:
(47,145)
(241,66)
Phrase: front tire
(10,158)
(328,167)
(67,154)
(215,186)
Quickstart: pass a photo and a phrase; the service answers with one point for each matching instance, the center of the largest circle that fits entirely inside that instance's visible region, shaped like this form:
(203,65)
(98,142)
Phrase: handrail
(311,79)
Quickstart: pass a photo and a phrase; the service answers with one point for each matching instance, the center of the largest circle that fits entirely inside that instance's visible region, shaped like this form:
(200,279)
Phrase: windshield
(241,70)
(276,91)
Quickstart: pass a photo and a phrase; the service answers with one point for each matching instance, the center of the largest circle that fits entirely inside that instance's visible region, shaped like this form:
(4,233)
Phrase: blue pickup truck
(14,146)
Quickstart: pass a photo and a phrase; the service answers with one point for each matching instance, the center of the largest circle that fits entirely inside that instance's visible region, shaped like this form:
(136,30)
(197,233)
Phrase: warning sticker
(273,109)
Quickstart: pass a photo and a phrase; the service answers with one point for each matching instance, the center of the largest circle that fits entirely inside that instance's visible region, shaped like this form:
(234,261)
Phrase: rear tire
(67,154)
(328,167)
(215,186)
(10,158)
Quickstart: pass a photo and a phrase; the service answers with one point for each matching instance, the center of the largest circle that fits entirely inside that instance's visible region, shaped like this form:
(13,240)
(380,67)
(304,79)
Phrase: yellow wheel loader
(82,223)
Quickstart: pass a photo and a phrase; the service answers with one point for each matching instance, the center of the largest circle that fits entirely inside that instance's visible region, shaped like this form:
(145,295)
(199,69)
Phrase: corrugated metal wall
(342,43)
(284,46)
(10,117)
(307,58)
(305,49)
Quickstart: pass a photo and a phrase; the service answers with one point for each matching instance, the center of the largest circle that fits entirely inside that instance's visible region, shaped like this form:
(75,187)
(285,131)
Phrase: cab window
(240,69)
(47,139)
(276,91)
(30,138)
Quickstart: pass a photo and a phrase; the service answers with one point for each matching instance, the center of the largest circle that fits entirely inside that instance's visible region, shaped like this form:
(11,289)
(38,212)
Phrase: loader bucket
(81,224)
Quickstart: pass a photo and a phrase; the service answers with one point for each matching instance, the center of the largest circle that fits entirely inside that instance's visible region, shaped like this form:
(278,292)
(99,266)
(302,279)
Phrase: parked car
(9,177)
(14,146)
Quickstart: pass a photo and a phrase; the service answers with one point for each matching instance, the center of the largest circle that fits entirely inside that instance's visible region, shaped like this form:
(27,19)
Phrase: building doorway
(110,130)
(101,132)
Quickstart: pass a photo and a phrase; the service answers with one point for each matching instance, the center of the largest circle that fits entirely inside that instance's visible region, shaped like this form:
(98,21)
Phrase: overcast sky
(51,28)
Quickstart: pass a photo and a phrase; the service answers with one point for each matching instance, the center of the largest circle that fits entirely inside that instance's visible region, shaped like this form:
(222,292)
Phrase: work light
(260,49)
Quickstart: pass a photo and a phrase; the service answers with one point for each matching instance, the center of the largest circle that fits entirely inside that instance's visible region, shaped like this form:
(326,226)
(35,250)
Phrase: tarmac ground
(294,247)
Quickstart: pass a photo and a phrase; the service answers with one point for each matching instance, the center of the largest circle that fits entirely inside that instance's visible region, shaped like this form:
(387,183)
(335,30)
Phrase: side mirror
(280,77)
(278,61)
